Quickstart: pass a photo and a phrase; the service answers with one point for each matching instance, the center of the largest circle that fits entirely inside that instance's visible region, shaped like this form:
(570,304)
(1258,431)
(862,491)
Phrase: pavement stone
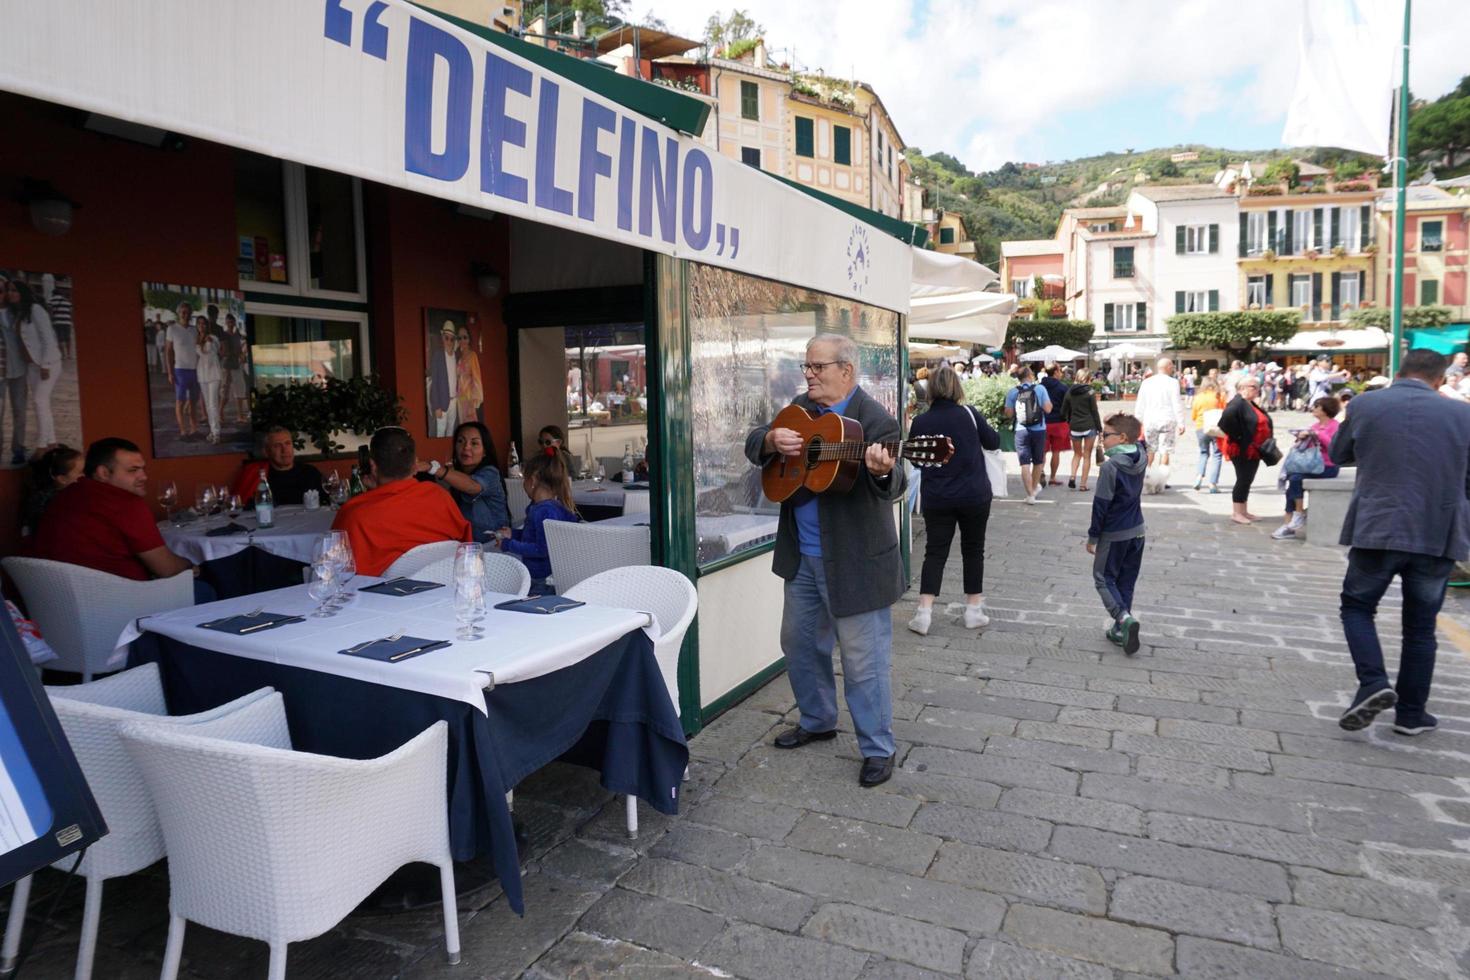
(958,906)
(1225,756)
(1159,708)
(1088,938)
(1039,879)
(750,951)
(1200,801)
(1118,720)
(1078,810)
(707,848)
(1254,841)
(929,946)
(1194,910)
(1345,940)
(989,827)
(1207,959)
(865,843)
(594,862)
(669,927)
(1364,898)
(582,956)
(993,960)
(1205,731)
(992,768)
(1159,859)
(769,821)
(1050,731)
(717,891)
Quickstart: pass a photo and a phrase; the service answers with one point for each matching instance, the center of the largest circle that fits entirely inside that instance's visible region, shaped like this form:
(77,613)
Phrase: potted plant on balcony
(1370,249)
(1269,255)
(1310,253)
(1338,251)
(335,416)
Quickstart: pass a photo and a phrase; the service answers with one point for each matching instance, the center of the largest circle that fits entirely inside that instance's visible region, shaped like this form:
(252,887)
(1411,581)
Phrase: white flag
(1344,85)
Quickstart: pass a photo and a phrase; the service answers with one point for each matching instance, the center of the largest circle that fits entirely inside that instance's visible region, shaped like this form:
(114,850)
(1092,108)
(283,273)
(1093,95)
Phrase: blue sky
(1032,80)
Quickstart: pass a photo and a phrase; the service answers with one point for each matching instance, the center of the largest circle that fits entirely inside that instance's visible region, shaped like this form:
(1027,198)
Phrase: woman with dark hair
(1245,427)
(474,480)
(50,472)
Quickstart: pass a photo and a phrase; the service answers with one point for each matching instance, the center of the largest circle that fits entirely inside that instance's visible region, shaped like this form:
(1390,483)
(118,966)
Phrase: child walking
(1115,536)
(549,486)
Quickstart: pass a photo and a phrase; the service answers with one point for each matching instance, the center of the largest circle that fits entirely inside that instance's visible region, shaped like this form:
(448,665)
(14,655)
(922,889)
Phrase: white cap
(1378,381)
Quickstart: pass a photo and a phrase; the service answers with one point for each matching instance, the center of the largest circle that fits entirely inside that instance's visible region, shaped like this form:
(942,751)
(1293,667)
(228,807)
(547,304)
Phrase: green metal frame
(905,531)
(657,102)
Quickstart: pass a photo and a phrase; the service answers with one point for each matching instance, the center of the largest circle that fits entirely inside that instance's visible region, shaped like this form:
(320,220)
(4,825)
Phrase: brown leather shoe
(876,769)
(796,736)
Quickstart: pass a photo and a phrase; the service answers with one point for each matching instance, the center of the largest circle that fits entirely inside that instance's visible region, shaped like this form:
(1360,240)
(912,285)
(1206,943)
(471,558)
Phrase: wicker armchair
(580,550)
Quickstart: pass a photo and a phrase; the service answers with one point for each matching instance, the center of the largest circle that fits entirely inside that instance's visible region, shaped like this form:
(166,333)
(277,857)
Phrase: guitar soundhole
(813,452)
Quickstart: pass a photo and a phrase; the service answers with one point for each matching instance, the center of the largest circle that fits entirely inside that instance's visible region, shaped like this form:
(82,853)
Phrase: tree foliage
(721,31)
(1415,317)
(1239,332)
(1031,334)
(1440,129)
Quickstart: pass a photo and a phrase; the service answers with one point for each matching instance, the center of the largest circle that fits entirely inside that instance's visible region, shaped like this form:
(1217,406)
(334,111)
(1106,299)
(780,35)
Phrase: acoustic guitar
(832,453)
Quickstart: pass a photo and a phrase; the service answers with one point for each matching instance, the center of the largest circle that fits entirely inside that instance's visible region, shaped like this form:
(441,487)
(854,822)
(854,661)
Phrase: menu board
(46,809)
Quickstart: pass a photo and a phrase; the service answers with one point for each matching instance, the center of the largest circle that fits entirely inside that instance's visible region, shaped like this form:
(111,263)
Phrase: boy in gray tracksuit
(1115,536)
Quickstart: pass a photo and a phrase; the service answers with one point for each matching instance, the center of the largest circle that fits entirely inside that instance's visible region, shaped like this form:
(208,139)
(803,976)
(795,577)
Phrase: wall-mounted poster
(452,370)
(40,404)
(198,370)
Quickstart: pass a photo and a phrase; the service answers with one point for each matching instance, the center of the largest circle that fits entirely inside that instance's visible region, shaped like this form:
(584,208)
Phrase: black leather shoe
(796,737)
(876,769)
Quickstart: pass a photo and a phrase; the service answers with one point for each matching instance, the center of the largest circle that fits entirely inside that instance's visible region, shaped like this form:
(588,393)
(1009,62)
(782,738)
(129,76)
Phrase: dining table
(253,558)
(579,685)
(598,500)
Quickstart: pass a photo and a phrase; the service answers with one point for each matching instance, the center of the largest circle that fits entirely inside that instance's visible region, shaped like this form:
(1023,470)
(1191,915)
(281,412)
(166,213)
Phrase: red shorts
(1058,437)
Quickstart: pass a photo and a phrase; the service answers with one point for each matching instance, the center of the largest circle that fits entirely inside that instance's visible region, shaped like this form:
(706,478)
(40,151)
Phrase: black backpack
(1028,406)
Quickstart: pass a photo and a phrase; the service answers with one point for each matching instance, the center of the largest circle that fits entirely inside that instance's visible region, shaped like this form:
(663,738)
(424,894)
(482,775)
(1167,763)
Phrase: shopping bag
(1210,423)
(995,469)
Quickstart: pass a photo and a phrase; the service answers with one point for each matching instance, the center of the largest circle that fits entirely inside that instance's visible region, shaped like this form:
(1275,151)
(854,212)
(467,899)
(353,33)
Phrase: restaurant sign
(390,92)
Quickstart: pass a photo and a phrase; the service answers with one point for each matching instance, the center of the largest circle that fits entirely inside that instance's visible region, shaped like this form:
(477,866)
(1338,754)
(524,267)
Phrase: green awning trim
(657,102)
(902,230)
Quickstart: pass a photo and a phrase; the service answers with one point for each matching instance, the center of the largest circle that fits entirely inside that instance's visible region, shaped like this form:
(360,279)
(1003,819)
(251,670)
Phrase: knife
(274,622)
(409,653)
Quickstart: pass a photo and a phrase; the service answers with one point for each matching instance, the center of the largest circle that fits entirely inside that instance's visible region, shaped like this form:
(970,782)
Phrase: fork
(250,615)
(386,639)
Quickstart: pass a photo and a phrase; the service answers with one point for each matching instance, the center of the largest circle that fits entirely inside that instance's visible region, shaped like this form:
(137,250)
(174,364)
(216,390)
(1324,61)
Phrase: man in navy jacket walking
(1410,517)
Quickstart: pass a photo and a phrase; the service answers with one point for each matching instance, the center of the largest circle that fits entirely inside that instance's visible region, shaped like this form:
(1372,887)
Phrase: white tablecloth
(293,534)
(590,493)
(516,646)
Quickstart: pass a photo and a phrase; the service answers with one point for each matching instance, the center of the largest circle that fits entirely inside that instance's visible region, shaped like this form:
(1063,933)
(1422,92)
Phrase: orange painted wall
(169,216)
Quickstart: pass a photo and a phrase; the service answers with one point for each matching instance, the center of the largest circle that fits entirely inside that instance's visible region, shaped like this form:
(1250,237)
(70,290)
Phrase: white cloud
(986,80)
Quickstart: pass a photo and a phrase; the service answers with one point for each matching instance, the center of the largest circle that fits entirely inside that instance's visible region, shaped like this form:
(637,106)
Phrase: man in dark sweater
(288,477)
(1115,536)
(1058,434)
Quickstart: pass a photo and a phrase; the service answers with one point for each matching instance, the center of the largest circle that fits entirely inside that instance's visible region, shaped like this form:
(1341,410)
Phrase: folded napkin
(544,604)
(246,625)
(393,651)
(401,586)
(636,485)
(230,528)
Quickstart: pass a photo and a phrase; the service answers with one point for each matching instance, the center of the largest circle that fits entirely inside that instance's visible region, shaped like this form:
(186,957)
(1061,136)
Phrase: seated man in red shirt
(400,512)
(103,521)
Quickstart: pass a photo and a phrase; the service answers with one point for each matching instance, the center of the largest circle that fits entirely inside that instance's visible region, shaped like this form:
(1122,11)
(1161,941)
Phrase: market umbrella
(1053,352)
(1127,351)
(981,359)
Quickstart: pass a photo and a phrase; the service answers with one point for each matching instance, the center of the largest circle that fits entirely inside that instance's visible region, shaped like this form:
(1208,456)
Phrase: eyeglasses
(816,367)
(1111,435)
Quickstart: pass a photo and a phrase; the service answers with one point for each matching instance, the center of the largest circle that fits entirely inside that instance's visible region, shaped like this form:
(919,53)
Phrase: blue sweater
(528,542)
(1117,509)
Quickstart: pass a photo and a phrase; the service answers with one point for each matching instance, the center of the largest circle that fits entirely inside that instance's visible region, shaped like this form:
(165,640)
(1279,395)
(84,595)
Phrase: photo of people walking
(41,404)
(199,375)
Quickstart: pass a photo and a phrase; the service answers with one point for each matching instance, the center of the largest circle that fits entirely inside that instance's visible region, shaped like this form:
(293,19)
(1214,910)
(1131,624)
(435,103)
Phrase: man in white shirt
(1160,410)
(181,362)
(1322,378)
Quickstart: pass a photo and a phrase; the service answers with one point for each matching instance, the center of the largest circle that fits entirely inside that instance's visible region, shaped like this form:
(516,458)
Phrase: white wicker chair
(90,715)
(635,502)
(81,611)
(280,846)
(507,574)
(579,550)
(432,562)
(516,500)
(670,598)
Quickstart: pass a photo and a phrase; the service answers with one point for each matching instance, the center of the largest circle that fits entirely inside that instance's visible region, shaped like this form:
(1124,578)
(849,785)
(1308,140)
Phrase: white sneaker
(1298,520)
(1285,531)
(1031,498)
(975,616)
(920,623)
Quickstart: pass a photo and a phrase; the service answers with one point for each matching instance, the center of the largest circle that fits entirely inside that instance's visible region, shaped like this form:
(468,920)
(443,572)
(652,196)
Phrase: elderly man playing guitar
(838,553)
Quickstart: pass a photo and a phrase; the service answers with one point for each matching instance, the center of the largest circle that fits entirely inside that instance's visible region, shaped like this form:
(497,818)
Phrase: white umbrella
(1053,352)
(1128,350)
(981,359)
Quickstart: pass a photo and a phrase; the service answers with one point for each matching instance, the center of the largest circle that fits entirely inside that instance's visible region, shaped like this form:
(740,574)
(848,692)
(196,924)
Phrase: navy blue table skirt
(610,712)
(248,571)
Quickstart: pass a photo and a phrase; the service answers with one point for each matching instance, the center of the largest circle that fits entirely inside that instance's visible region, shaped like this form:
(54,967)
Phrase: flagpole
(1401,167)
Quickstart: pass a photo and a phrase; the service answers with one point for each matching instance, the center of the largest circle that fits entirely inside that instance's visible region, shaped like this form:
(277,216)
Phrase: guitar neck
(852,449)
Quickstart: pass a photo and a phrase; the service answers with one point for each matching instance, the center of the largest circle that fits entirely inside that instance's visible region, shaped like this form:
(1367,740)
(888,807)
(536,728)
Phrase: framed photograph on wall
(454,392)
(199,372)
(40,404)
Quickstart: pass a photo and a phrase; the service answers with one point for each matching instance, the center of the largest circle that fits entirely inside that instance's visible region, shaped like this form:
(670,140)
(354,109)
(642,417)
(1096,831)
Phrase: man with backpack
(1028,404)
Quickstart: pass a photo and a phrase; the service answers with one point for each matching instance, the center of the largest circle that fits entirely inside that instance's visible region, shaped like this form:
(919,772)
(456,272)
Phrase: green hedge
(987,393)
(1415,317)
(1239,332)
(1030,334)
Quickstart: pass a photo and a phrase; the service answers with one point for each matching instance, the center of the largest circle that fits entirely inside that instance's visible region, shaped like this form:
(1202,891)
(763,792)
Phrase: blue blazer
(1412,449)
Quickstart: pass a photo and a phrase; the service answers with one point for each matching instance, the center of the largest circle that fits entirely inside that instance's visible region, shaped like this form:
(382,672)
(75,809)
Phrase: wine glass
(221,498)
(168,497)
(204,499)
(331,483)
(236,506)
(601,473)
(323,585)
(346,568)
(469,590)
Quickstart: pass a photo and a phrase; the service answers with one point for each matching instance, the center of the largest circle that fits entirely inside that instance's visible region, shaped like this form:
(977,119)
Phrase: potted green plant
(334,416)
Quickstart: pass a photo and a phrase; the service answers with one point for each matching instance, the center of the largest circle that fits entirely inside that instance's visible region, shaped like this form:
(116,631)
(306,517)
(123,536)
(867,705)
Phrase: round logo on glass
(858,260)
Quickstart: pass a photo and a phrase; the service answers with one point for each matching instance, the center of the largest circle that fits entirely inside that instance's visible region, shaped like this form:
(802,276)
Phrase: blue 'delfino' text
(662,190)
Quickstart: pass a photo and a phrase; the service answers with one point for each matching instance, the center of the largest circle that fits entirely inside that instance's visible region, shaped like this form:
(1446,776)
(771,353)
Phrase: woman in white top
(42,353)
(210,373)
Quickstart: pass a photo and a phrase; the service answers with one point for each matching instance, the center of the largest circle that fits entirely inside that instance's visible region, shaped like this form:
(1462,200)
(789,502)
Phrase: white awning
(948,301)
(1365,340)
(935,273)
(392,93)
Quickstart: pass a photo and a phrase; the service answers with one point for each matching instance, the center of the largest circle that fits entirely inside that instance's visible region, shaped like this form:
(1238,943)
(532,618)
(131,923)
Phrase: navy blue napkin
(249,625)
(401,586)
(230,528)
(636,485)
(544,604)
(394,651)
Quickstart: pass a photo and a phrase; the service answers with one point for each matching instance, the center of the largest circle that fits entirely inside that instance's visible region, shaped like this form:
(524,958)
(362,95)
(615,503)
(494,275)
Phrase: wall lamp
(487,281)
(51,210)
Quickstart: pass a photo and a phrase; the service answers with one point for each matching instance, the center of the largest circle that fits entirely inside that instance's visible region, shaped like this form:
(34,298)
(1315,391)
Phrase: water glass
(469,590)
(236,506)
(221,498)
(204,500)
(323,586)
(601,473)
(346,564)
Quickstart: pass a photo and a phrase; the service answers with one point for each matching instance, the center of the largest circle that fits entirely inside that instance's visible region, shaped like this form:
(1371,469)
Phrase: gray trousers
(19,391)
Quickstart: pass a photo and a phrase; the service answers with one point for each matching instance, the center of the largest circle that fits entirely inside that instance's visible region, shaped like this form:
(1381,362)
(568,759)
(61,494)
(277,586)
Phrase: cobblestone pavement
(1061,810)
